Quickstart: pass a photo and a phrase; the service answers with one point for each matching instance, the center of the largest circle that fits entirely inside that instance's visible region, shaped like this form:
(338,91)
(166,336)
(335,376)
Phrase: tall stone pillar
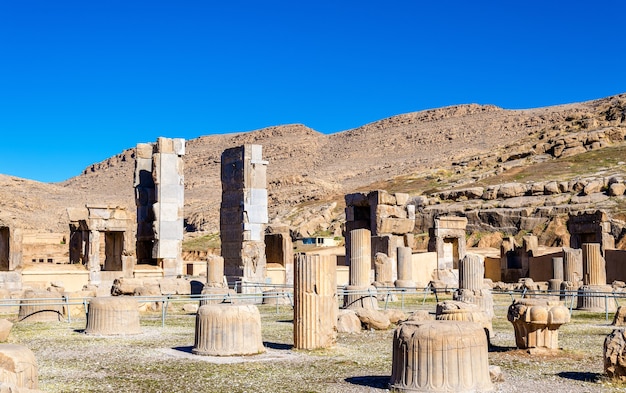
(243,216)
(360,257)
(315,301)
(94,257)
(557,268)
(169,187)
(594,266)
(160,198)
(471,286)
(572,265)
(360,292)
(595,295)
(405,268)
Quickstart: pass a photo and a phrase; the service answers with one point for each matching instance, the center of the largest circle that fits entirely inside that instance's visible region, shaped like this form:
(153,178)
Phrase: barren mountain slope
(306,166)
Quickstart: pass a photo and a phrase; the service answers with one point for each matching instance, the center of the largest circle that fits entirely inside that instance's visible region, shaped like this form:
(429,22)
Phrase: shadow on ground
(279,346)
(580,376)
(497,348)
(183,349)
(372,381)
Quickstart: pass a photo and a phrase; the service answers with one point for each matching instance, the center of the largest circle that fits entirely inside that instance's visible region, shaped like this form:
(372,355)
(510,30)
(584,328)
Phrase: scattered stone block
(348,322)
(18,366)
(5,329)
(395,316)
(614,353)
(373,319)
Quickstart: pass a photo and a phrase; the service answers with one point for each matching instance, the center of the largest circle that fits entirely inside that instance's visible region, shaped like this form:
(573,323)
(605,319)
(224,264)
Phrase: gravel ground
(160,360)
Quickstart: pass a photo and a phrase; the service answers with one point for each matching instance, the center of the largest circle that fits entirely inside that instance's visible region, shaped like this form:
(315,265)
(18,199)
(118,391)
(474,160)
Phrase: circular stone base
(228,330)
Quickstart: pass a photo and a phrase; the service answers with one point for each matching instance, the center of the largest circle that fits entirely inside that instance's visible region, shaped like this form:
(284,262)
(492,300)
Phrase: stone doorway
(4,249)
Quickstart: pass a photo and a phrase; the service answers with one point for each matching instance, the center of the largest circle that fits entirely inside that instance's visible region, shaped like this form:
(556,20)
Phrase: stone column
(215,291)
(360,292)
(215,271)
(471,286)
(360,257)
(594,266)
(471,272)
(557,268)
(315,302)
(94,257)
(572,265)
(595,295)
(405,268)
(440,356)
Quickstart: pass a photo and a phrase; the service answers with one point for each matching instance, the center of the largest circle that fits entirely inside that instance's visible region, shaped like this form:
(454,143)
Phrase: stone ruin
(279,253)
(10,247)
(113,316)
(243,215)
(447,239)
(440,356)
(536,322)
(101,240)
(216,289)
(389,219)
(228,330)
(590,227)
(359,292)
(18,369)
(159,196)
(594,294)
(41,306)
(472,288)
(514,259)
(315,302)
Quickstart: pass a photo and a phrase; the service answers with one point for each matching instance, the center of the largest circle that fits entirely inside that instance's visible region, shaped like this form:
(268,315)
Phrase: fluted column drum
(228,330)
(315,302)
(440,356)
(41,306)
(572,265)
(471,272)
(596,298)
(557,268)
(19,366)
(360,257)
(112,316)
(594,266)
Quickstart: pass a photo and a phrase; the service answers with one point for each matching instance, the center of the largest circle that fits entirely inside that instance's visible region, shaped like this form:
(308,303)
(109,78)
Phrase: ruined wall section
(243,213)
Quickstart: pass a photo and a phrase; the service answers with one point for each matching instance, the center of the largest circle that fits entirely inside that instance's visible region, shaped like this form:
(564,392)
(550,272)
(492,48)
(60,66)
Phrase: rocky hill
(423,153)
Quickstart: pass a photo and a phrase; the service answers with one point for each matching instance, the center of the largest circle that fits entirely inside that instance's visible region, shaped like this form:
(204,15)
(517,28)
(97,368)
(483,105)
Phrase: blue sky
(81,81)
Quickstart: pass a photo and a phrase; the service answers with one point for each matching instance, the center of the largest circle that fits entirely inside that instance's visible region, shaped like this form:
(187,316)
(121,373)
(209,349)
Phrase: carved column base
(440,356)
(596,298)
(228,330)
